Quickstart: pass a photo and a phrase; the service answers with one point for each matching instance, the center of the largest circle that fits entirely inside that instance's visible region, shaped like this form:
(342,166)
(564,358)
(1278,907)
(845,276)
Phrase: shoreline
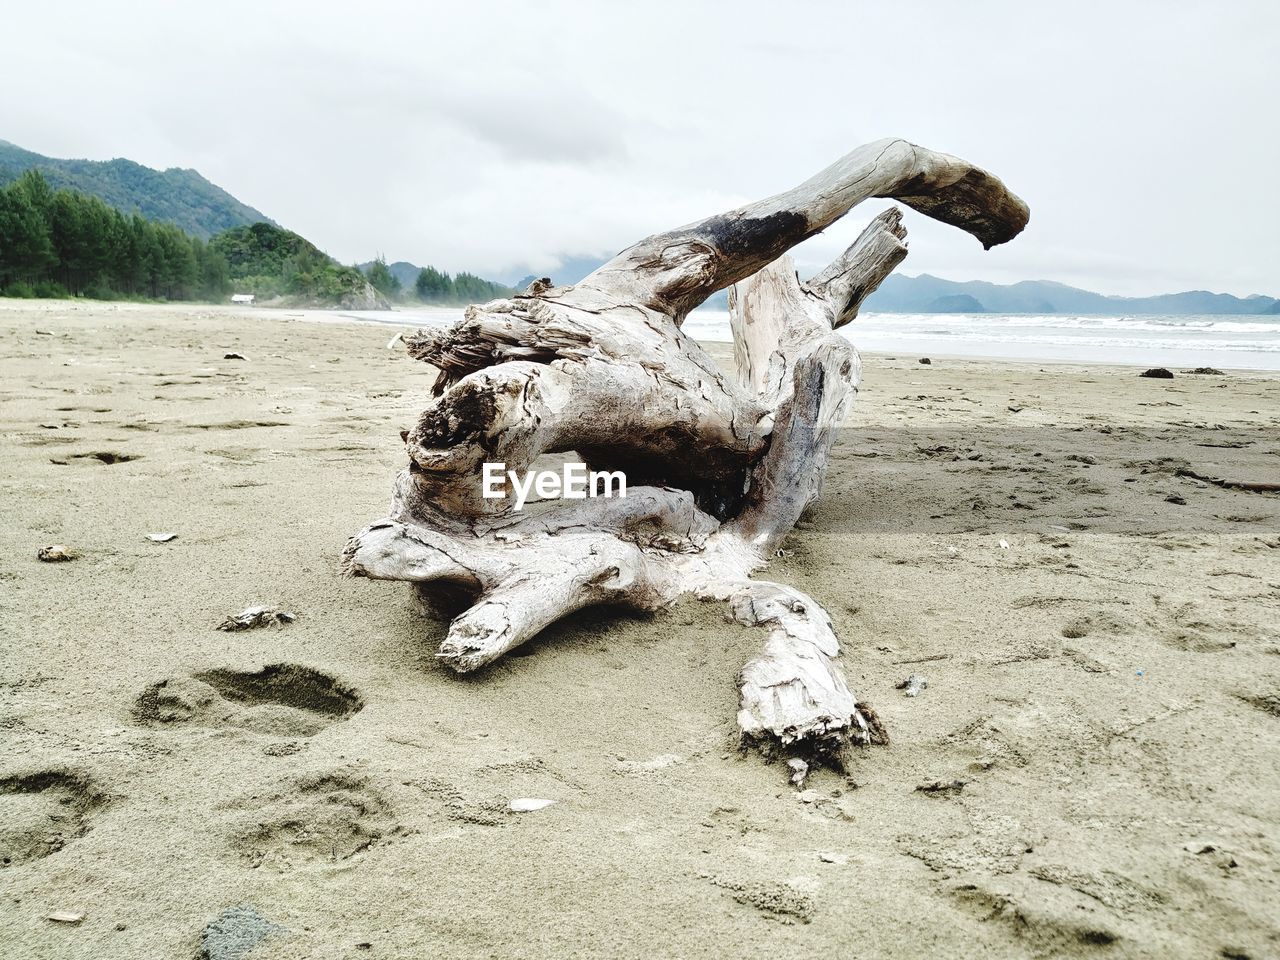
(342,317)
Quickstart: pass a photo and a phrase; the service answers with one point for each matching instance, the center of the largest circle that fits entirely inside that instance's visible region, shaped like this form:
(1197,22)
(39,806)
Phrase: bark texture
(719,466)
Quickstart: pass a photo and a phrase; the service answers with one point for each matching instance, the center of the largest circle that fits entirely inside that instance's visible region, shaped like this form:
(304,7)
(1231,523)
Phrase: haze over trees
(404,280)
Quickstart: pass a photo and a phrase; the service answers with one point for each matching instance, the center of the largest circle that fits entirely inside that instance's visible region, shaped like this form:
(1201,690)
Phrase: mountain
(181,197)
(924,294)
(956,303)
(269,261)
(928,294)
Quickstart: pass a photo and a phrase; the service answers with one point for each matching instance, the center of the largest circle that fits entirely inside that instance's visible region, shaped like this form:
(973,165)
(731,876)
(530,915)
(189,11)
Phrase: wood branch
(855,275)
(769,316)
(719,467)
(789,478)
(1252,486)
(558,576)
(675,271)
(519,575)
(794,692)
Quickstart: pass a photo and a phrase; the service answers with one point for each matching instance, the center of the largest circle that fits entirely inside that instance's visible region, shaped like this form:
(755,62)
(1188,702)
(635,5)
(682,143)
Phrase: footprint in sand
(282,700)
(1191,630)
(1266,702)
(1098,622)
(786,902)
(317,819)
(1031,925)
(107,456)
(41,811)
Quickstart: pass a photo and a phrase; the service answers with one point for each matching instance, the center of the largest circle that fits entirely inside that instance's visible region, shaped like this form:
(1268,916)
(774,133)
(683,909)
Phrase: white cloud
(498,136)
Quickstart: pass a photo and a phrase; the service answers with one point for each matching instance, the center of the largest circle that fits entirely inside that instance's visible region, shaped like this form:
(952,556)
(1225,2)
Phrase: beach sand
(1105,687)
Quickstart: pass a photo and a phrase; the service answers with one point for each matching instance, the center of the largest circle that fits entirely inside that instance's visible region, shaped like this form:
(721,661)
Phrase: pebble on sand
(235,932)
(252,617)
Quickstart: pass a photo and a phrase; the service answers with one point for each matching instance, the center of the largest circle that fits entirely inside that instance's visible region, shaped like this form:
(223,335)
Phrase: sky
(506,138)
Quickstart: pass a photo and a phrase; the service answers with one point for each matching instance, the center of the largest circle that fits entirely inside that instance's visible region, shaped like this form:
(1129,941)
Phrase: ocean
(1239,341)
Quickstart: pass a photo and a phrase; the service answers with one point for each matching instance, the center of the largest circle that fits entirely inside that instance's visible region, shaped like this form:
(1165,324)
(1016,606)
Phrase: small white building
(242,298)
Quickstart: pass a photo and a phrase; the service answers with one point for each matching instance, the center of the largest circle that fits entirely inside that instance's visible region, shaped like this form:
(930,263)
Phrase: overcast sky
(500,138)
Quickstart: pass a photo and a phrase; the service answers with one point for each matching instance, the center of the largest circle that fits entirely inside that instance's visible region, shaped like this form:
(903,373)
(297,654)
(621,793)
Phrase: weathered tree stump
(719,468)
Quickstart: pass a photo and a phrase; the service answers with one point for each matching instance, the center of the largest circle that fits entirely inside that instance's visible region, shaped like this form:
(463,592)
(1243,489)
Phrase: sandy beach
(1097,621)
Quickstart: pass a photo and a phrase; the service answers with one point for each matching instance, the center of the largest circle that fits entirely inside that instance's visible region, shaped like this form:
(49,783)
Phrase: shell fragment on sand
(528,804)
(66,916)
(257,617)
(913,685)
(161,537)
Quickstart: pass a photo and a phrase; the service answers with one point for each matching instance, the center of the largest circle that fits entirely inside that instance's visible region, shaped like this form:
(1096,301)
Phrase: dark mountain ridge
(929,294)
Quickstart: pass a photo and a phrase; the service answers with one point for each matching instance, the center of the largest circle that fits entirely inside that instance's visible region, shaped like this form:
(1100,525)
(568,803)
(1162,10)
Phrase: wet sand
(1103,684)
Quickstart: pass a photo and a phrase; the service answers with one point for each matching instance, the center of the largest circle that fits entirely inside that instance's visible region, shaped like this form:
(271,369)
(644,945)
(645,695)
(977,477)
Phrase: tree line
(57,243)
(435,286)
(60,243)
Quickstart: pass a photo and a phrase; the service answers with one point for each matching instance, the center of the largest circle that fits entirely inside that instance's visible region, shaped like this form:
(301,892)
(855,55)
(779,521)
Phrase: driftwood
(1252,486)
(719,467)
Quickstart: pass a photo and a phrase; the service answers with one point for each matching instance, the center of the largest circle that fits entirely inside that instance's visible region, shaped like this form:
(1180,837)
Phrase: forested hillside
(180,197)
(57,243)
(268,261)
